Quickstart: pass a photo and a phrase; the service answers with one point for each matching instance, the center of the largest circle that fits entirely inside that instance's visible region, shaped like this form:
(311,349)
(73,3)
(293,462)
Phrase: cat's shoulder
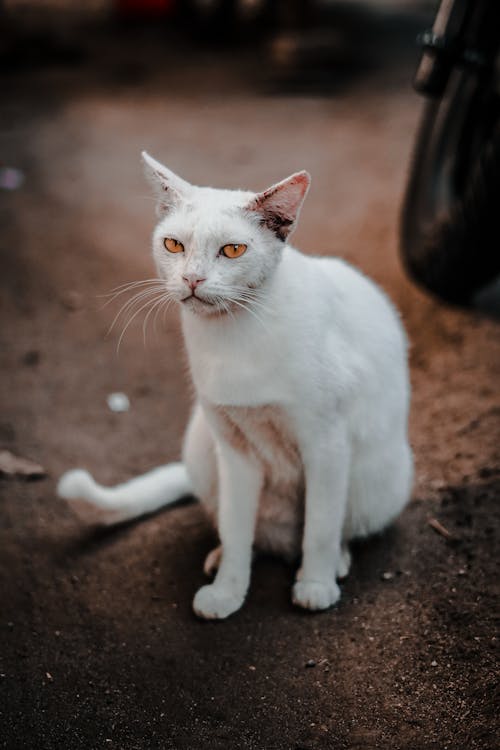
(326,269)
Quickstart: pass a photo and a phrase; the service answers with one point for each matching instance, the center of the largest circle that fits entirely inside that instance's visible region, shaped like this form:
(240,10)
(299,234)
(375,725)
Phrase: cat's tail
(137,497)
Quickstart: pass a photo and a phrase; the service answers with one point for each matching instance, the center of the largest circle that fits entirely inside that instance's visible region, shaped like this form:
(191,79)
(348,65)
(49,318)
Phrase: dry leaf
(16,466)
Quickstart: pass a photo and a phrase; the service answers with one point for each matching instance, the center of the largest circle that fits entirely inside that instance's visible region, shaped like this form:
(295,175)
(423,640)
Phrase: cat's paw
(344,562)
(315,594)
(212,561)
(214,602)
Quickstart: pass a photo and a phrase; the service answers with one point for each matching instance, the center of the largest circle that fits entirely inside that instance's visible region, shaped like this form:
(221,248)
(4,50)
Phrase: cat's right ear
(279,206)
(170,190)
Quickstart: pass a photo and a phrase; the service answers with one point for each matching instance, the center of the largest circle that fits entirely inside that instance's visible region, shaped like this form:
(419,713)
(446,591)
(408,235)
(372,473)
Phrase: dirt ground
(98,646)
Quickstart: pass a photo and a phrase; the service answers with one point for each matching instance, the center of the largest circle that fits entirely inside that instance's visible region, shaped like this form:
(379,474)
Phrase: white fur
(314,353)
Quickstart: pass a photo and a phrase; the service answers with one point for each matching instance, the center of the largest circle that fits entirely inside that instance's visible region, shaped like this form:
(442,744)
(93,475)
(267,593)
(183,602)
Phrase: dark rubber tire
(450,224)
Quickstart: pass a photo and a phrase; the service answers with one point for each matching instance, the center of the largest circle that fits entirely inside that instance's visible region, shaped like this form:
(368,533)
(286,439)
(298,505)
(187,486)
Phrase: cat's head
(216,249)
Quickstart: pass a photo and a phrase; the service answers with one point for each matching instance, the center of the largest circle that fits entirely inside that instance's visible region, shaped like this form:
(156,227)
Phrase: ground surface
(98,644)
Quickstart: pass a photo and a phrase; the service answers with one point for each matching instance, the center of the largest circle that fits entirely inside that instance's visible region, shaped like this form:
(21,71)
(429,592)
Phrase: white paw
(213,602)
(212,561)
(315,594)
(344,562)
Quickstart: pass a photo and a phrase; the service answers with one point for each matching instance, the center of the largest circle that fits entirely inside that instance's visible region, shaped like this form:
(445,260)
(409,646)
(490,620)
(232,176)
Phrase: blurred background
(98,645)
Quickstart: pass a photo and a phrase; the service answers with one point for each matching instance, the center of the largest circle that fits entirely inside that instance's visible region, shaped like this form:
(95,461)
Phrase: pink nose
(192,281)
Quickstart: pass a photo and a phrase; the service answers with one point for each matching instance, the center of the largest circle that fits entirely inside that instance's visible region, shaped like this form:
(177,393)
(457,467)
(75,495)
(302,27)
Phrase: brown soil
(99,647)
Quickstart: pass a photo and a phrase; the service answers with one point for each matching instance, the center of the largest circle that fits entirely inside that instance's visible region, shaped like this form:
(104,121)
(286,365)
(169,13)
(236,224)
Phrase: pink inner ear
(281,203)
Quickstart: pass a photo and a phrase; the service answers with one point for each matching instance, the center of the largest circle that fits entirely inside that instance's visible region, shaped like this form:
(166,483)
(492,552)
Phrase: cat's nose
(192,281)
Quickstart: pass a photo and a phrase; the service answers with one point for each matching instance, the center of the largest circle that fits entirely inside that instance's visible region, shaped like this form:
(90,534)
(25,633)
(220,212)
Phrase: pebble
(31,358)
(118,402)
(72,300)
(310,663)
(11,178)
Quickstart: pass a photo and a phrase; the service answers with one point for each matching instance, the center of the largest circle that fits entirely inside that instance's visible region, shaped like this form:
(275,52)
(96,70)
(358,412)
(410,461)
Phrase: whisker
(163,307)
(227,308)
(135,314)
(127,285)
(156,305)
(167,307)
(137,298)
(253,296)
(117,291)
(249,310)
(255,302)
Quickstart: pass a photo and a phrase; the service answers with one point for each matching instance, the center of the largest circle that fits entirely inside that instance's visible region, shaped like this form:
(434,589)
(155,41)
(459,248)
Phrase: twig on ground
(437,526)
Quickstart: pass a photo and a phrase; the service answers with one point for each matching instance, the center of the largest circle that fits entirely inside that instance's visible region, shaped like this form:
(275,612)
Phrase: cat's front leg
(240,482)
(326,467)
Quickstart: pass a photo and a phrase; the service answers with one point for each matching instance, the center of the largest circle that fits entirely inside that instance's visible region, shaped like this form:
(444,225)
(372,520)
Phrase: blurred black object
(450,228)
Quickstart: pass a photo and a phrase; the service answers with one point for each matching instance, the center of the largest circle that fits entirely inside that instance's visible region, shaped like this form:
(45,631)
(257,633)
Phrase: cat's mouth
(202,306)
(194,296)
(197,304)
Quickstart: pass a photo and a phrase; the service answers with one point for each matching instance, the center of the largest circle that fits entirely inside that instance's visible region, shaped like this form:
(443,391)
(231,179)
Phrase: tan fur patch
(264,434)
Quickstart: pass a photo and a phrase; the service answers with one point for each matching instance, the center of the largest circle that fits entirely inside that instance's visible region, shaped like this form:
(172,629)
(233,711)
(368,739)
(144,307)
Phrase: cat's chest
(238,375)
(264,432)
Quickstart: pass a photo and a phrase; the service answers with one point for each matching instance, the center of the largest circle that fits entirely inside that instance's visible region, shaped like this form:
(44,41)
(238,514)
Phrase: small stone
(388,575)
(310,663)
(49,676)
(31,358)
(252,668)
(72,300)
(11,178)
(434,663)
(118,402)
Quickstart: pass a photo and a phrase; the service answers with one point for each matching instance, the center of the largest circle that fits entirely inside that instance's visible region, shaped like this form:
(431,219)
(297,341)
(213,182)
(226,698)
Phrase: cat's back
(342,300)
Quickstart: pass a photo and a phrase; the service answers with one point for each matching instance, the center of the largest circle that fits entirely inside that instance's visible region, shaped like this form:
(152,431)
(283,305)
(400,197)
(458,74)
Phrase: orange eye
(233,251)
(173,246)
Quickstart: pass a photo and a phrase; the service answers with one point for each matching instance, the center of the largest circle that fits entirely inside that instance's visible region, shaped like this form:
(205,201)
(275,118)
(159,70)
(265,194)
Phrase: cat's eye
(173,246)
(233,251)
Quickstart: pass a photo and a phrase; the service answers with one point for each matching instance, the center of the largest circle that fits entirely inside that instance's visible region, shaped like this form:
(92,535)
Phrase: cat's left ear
(170,190)
(279,205)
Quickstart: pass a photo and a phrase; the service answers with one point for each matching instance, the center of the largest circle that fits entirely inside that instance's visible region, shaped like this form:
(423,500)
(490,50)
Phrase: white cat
(298,437)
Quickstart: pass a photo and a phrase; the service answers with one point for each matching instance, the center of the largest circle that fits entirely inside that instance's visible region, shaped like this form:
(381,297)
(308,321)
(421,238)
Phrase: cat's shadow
(384,560)
(372,558)
(98,536)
